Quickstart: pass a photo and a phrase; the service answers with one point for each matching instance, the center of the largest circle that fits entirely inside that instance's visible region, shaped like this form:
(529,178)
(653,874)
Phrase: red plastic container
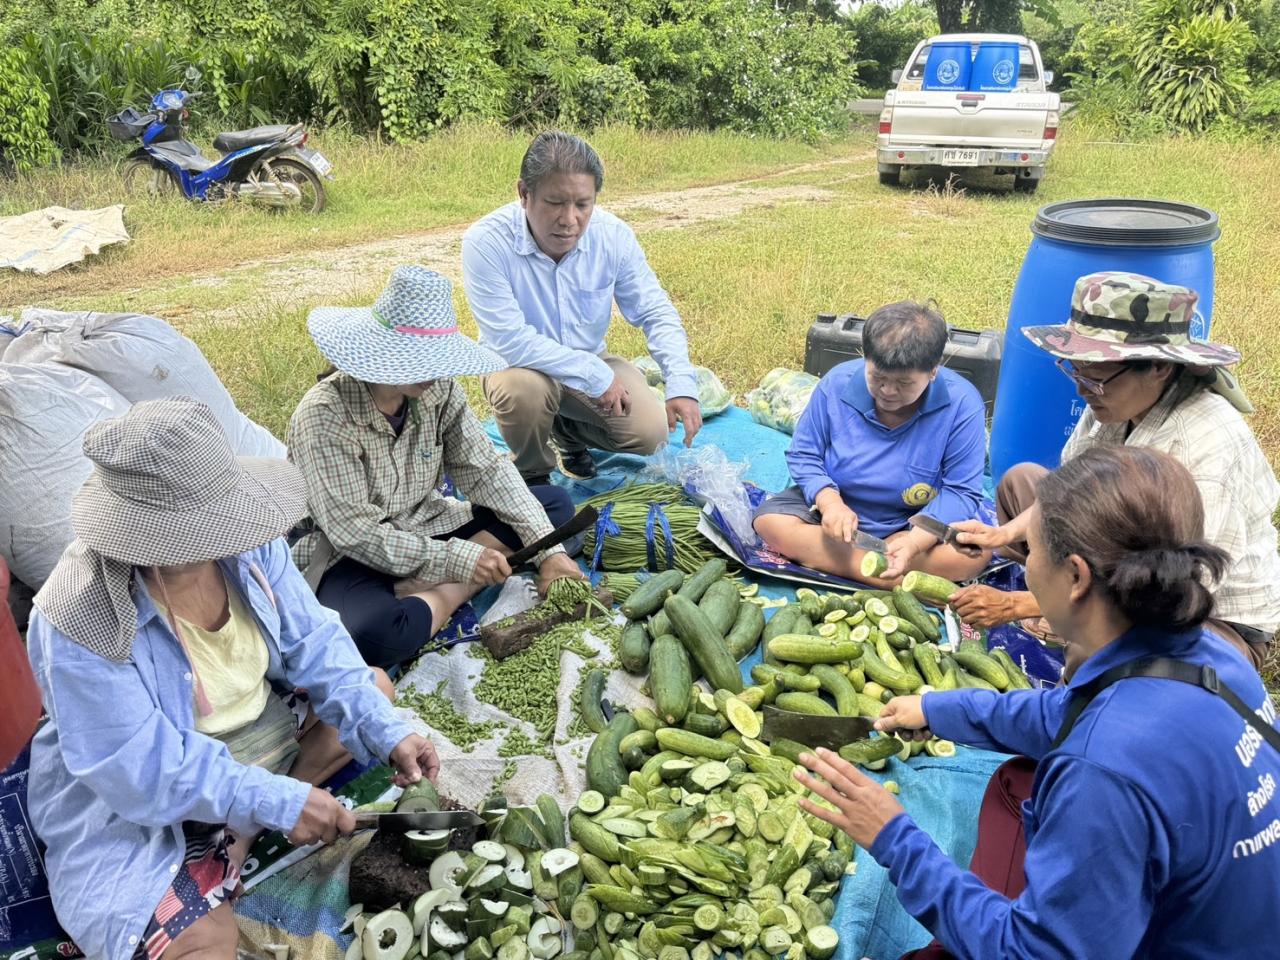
(20,702)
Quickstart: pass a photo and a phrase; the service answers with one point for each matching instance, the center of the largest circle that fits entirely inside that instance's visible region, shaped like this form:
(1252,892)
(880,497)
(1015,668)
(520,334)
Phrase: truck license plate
(960,158)
(318,161)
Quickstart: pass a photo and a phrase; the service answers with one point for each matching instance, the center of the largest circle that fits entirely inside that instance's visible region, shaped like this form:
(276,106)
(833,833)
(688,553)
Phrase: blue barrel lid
(1126,222)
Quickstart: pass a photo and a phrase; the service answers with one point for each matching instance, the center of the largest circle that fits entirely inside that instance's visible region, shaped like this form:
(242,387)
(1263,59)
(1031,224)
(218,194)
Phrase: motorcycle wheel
(143,180)
(289,170)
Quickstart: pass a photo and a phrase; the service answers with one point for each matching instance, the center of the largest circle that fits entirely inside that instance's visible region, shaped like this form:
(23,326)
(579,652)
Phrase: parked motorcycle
(265,165)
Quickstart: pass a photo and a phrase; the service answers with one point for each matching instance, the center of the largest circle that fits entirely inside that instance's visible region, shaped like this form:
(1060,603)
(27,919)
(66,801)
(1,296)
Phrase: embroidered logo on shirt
(918,494)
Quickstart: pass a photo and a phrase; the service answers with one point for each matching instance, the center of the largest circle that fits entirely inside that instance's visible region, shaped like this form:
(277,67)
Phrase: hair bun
(1164,585)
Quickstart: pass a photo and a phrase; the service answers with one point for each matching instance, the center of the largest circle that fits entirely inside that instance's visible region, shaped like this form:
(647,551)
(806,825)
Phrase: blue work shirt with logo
(931,464)
(1153,831)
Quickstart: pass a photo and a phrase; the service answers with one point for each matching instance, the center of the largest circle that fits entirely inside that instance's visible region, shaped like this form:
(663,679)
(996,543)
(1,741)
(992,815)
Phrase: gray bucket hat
(166,489)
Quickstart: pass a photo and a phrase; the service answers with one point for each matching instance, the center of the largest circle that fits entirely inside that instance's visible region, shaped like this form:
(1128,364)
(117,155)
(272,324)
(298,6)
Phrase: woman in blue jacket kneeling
(195,687)
(883,438)
(1141,819)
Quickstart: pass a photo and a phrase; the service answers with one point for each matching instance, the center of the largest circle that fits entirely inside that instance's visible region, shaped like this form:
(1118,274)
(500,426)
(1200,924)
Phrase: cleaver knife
(576,524)
(420,820)
(813,731)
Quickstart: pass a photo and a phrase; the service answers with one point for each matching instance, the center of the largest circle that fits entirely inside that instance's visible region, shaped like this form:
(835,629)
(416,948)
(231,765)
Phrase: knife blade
(419,820)
(865,541)
(576,524)
(944,532)
(812,731)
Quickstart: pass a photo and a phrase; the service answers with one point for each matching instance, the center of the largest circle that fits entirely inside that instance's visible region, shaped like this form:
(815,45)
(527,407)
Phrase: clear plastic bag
(708,476)
(713,396)
(781,398)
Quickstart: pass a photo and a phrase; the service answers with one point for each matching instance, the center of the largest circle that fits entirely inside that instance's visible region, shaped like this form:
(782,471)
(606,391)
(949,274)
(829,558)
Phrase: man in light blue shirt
(542,275)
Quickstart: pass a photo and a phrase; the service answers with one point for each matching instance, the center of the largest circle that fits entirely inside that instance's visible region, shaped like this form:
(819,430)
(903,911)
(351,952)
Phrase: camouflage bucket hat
(1126,316)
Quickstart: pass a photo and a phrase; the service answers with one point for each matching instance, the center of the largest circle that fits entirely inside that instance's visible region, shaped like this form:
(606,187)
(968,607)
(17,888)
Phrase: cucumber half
(387,936)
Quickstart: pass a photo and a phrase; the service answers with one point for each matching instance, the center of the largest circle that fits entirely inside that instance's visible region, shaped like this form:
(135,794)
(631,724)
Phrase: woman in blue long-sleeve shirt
(1152,827)
(883,438)
(169,644)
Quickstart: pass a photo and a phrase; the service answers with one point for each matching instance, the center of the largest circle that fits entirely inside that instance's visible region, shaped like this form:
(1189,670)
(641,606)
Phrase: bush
(24,115)
(886,36)
(407,67)
(1190,60)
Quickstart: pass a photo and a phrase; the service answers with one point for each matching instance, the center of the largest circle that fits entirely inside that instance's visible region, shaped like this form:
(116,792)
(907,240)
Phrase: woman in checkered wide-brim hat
(374,439)
(168,644)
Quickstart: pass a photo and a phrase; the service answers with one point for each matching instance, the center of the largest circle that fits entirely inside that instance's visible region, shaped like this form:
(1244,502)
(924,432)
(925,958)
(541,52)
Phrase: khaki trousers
(1017,492)
(532,410)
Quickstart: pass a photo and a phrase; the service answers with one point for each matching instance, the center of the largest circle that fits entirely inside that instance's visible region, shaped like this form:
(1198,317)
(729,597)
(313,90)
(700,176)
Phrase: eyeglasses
(1089,383)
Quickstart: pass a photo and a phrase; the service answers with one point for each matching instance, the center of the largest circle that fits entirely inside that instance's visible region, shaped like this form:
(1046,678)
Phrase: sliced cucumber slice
(556,862)
(387,936)
(488,850)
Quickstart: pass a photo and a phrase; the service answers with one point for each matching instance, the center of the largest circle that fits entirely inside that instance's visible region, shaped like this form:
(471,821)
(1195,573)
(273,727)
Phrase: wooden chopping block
(513,634)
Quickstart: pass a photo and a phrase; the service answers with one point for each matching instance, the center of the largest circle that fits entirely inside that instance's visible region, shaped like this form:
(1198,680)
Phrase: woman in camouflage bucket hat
(1146,382)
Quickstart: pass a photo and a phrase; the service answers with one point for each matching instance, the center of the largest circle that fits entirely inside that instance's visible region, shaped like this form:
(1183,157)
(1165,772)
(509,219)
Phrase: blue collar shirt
(553,317)
(931,464)
(119,765)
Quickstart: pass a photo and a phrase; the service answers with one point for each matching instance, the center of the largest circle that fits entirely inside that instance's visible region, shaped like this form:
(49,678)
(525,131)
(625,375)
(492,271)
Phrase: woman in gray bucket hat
(172,645)
(1145,381)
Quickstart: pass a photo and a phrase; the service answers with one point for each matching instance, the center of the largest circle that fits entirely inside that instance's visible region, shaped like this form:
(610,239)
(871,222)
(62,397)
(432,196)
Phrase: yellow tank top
(232,664)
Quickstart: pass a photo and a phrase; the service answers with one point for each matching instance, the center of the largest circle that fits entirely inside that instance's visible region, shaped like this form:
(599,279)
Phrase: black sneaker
(536,479)
(577,465)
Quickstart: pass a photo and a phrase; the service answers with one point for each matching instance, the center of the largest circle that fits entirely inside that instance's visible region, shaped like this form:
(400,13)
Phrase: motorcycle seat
(233,140)
(184,155)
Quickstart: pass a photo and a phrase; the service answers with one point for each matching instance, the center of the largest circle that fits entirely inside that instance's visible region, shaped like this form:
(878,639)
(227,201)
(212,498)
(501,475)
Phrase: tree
(985,16)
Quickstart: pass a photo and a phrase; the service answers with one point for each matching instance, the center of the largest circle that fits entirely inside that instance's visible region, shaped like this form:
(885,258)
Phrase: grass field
(747,283)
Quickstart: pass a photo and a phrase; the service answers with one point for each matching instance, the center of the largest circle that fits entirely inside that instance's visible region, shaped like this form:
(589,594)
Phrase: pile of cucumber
(684,628)
(692,858)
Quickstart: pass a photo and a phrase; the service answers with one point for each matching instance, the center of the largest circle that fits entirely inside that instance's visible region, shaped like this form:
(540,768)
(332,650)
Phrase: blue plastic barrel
(1036,406)
(948,67)
(995,67)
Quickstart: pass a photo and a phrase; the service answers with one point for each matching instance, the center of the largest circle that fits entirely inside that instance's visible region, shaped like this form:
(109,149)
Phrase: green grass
(747,286)
(382,190)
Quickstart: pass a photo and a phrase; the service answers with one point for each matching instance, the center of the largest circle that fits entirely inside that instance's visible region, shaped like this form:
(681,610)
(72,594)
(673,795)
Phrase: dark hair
(328,371)
(1134,515)
(554,151)
(905,336)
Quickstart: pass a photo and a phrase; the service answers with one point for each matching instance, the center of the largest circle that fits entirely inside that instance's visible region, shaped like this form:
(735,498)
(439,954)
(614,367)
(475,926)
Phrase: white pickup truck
(1008,131)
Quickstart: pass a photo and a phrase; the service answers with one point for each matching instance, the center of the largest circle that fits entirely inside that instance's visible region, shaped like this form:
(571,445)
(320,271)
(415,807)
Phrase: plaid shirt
(376,496)
(1209,437)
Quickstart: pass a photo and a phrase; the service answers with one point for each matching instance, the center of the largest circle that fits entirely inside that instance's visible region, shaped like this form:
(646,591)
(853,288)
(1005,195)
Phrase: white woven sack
(45,409)
(142,358)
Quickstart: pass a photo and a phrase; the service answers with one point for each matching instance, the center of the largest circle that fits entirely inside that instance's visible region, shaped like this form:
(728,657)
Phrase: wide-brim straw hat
(168,489)
(410,335)
(1117,316)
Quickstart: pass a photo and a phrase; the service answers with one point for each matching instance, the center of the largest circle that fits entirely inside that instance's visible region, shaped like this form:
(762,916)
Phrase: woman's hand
(899,554)
(414,758)
(906,716)
(863,807)
(491,569)
(977,534)
(983,606)
(558,566)
(839,523)
(322,819)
